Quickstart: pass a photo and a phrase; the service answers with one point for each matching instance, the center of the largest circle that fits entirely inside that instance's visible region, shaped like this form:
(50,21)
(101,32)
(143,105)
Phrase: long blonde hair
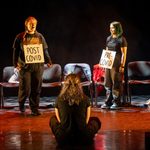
(72,90)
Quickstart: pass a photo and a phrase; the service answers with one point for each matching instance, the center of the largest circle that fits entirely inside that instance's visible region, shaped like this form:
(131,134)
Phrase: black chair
(138,74)
(8,72)
(51,79)
(84,71)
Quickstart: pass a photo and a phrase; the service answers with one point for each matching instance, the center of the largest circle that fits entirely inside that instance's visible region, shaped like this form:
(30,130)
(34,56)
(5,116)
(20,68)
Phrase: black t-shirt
(26,39)
(73,117)
(115,44)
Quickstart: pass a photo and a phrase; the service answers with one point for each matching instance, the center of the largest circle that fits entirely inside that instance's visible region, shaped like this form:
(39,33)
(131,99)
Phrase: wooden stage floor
(124,129)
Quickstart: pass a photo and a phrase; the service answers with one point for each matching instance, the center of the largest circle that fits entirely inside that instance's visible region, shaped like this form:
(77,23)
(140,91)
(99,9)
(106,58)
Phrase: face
(31,26)
(112,30)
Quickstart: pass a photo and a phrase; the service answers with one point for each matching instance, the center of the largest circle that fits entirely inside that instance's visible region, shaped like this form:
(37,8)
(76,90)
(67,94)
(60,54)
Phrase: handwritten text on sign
(33,53)
(107,59)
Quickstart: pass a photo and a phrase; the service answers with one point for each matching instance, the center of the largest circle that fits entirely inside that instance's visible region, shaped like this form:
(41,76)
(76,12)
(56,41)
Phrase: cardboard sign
(33,53)
(107,59)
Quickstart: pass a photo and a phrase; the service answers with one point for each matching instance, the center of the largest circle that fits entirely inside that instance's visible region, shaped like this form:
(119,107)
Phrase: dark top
(73,118)
(25,39)
(115,44)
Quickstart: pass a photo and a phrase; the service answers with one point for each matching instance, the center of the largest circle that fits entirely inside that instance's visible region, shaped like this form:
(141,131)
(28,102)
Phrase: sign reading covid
(33,53)
(107,59)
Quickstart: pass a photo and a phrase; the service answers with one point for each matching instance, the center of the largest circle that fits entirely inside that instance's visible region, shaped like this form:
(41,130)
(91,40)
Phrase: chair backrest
(139,70)
(8,71)
(82,69)
(52,74)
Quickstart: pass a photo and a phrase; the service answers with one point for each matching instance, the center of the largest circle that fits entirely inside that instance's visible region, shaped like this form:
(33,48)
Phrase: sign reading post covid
(107,59)
(33,53)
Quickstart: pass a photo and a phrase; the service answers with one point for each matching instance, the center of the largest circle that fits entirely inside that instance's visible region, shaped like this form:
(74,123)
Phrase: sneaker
(22,108)
(114,106)
(105,106)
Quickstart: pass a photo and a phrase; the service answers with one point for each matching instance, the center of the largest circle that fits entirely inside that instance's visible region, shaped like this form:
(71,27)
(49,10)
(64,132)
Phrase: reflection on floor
(125,129)
(137,100)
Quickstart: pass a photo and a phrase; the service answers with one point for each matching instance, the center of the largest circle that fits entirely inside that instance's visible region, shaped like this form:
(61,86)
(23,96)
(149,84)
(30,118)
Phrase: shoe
(35,113)
(105,106)
(114,106)
(22,109)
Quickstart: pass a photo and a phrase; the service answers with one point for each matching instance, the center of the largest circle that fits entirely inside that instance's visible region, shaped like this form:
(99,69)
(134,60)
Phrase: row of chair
(52,77)
(138,72)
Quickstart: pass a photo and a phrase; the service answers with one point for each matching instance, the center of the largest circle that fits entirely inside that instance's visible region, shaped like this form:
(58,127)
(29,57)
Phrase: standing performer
(30,51)
(113,77)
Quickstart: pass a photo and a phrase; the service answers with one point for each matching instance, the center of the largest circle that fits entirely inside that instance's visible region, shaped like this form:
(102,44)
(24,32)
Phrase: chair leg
(96,94)
(129,92)
(123,93)
(91,93)
(2,98)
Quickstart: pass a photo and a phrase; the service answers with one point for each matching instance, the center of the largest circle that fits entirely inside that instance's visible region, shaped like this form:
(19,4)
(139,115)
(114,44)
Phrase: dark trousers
(85,137)
(113,82)
(30,81)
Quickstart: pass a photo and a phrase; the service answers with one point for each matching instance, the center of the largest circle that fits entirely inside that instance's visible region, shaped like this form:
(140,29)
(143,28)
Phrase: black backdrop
(76,30)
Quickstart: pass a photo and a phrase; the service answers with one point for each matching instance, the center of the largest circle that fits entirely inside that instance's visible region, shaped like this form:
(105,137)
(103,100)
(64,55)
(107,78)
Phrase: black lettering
(106,62)
(37,50)
(30,58)
(32,50)
(107,55)
(28,50)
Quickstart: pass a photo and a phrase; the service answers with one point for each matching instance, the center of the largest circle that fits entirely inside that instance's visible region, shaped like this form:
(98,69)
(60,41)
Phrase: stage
(125,129)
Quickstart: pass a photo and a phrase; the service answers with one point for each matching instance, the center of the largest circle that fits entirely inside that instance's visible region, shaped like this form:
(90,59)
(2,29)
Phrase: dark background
(76,30)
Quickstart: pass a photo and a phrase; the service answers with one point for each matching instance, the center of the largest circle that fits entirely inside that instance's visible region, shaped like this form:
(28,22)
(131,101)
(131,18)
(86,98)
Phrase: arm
(88,114)
(46,53)
(16,51)
(47,57)
(123,58)
(57,114)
